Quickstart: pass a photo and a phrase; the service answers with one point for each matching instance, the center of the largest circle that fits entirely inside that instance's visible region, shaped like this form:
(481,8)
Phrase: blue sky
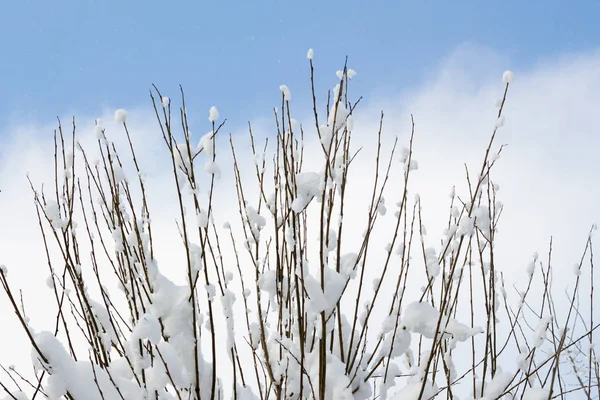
(78,56)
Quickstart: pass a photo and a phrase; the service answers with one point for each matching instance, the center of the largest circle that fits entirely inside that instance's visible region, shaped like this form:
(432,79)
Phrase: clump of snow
(308,186)
(213,114)
(403,154)
(531,266)
(508,76)
(433,266)
(268,282)
(211,292)
(466,226)
(206,144)
(412,390)
(422,318)
(212,167)
(181,156)
(148,327)
(522,361)
(413,165)
(338,114)
(350,123)
(165,101)
(257,222)
(325,135)
(287,95)
(348,264)
(310,54)
(75,377)
(482,218)
(381,208)
(202,218)
(120,116)
(499,122)
(100,314)
(497,386)
(577,269)
(52,210)
(99,130)
(16,395)
(400,249)
(119,174)
(350,73)
(227,301)
(539,336)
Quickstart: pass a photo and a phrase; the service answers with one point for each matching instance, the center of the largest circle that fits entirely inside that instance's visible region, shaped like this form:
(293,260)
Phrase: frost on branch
(293,280)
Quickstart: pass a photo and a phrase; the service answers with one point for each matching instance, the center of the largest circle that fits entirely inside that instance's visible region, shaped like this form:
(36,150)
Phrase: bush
(283,297)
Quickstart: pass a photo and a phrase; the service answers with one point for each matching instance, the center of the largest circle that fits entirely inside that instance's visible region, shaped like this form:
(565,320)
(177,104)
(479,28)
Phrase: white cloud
(548,173)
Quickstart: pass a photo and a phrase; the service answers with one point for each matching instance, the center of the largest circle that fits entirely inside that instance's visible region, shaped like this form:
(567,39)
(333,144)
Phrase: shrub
(283,297)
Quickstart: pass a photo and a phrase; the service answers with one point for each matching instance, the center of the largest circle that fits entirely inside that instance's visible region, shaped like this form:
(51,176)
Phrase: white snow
(206,144)
(147,327)
(413,165)
(350,123)
(381,208)
(310,54)
(120,116)
(433,266)
(508,77)
(499,122)
(539,335)
(213,114)
(202,218)
(287,95)
(212,167)
(497,386)
(119,174)
(348,264)
(257,222)
(53,214)
(165,101)
(466,226)
(403,154)
(99,132)
(412,390)
(422,318)
(530,269)
(338,114)
(308,186)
